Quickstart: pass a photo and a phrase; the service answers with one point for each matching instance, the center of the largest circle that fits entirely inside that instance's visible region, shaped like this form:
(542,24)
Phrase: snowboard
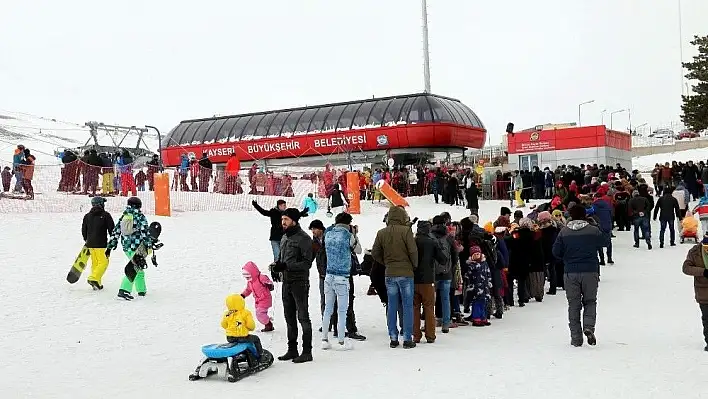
(78,266)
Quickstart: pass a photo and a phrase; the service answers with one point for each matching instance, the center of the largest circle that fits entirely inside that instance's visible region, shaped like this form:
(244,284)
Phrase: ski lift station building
(367,130)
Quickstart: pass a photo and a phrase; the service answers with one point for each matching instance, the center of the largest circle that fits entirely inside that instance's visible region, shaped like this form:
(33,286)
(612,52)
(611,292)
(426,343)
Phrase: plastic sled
(689,235)
(238,360)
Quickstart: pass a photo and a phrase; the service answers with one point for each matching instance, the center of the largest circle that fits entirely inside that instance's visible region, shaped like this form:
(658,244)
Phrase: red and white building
(555,146)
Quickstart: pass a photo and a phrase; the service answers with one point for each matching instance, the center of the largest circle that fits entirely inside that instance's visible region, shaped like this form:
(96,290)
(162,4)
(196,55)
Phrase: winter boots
(125,295)
(295,358)
(590,335)
(95,285)
(268,327)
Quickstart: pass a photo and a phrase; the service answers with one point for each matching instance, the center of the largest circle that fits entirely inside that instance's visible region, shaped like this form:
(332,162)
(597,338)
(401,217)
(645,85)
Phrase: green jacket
(395,246)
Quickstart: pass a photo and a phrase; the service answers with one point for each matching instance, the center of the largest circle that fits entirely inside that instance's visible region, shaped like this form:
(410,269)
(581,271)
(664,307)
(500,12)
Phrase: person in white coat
(683,197)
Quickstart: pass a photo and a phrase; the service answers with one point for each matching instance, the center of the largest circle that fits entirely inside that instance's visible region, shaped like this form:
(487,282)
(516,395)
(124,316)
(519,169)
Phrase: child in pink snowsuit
(261,286)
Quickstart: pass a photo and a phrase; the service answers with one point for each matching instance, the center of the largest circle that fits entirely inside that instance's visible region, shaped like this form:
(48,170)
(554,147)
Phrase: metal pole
(629,114)
(159,145)
(680,22)
(426,51)
(579,124)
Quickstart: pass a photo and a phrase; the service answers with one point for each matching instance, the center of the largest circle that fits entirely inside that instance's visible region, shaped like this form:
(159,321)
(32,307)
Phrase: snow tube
(221,351)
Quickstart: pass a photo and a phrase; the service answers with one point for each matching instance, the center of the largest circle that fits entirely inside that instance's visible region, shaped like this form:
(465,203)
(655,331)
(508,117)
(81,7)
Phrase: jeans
(442,289)
(642,223)
(295,309)
(18,181)
(672,231)
(275,246)
(400,287)
(608,244)
(335,288)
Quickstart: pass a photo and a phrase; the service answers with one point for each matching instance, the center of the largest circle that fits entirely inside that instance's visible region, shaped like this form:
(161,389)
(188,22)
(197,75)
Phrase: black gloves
(108,252)
(154,260)
(279,267)
(275,269)
(705,273)
(157,246)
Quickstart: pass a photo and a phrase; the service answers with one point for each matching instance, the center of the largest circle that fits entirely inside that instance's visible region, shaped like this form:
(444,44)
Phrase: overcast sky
(527,62)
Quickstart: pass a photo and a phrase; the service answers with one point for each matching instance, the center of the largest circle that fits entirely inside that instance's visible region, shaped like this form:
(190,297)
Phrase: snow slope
(44,135)
(646,163)
(66,341)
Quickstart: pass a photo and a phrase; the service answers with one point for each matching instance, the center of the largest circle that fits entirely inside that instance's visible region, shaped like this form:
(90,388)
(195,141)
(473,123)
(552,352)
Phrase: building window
(527,162)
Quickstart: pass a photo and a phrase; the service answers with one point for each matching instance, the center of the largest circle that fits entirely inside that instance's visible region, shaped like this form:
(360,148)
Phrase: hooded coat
(96,227)
(577,245)
(259,285)
(237,320)
(695,265)
(395,246)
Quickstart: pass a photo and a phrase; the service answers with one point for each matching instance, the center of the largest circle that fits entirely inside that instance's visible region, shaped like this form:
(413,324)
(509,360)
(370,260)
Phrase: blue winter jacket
(184,165)
(577,245)
(338,245)
(18,158)
(310,204)
(603,211)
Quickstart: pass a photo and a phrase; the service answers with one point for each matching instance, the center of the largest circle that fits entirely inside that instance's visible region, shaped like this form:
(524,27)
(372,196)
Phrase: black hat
(293,214)
(135,202)
(577,212)
(504,211)
(439,219)
(316,224)
(518,214)
(343,218)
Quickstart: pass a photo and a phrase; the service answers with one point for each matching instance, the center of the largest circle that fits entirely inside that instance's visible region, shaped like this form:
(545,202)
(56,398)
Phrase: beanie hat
(544,216)
(489,228)
(98,201)
(475,250)
(518,214)
(504,211)
(526,223)
(343,218)
(557,213)
(280,202)
(293,214)
(316,224)
(439,219)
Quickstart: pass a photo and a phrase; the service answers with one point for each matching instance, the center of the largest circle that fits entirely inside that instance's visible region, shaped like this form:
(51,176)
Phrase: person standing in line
(640,208)
(577,245)
(696,265)
(293,269)
(395,248)
(670,210)
(340,243)
(431,256)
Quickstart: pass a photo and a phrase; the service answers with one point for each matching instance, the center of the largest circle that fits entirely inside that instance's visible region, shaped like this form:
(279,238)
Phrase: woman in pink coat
(261,286)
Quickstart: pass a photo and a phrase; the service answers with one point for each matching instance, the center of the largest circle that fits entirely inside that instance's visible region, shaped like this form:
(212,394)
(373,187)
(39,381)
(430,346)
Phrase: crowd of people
(22,170)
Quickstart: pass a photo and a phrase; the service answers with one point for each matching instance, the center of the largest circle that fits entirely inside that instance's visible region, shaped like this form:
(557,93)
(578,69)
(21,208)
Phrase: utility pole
(426,51)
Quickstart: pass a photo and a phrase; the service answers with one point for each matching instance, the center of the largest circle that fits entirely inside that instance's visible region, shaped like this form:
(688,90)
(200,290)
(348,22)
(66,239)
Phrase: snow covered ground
(66,341)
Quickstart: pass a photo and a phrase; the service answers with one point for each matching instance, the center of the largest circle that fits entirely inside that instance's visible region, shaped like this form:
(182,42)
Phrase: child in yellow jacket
(238,322)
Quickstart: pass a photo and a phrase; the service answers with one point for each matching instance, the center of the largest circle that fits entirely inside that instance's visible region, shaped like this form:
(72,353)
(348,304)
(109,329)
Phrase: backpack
(127,225)
(444,246)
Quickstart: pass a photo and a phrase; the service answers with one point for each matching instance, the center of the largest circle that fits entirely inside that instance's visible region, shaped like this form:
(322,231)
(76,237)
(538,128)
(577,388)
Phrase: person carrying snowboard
(96,228)
(138,240)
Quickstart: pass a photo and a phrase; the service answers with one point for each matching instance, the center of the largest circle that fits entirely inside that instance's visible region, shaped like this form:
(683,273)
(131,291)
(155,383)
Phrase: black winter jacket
(205,163)
(429,252)
(320,255)
(276,216)
(97,227)
(669,207)
(639,205)
(296,254)
(336,198)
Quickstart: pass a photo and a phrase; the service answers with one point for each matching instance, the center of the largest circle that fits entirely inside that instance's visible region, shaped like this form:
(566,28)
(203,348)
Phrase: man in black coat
(97,226)
(430,254)
(640,209)
(669,207)
(292,267)
(205,167)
